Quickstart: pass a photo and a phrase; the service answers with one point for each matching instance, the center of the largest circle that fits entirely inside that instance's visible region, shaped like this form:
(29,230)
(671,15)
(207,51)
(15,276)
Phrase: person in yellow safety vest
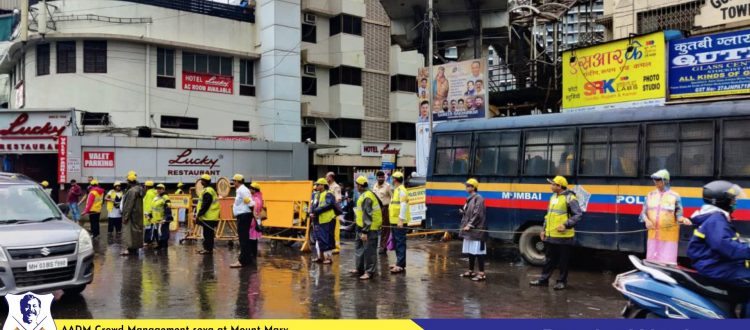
(558,235)
(399,216)
(208,214)
(179,190)
(369,218)
(147,200)
(662,213)
(335,188)
(94,206)
(323,215)
(114,214)
(161,216)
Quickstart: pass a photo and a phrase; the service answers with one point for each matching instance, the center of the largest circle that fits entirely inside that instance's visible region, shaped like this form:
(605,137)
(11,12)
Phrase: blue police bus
(609,155)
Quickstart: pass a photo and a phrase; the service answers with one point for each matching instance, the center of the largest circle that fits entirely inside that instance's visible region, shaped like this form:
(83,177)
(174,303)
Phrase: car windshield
(26,203)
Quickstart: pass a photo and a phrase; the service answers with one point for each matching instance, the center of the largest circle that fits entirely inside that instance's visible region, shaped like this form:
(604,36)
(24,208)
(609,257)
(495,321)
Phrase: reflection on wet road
(178,283)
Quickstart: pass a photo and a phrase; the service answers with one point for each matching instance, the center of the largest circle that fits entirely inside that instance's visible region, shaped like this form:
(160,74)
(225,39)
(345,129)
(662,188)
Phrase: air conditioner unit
(308,121)
(309,69)
(309,18)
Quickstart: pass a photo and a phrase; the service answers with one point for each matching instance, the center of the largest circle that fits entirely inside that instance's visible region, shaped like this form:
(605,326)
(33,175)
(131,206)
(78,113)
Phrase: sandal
(468,274)
(479,278)
(366,276)
(355,272)
(327,262)
(204,252)
(396,270)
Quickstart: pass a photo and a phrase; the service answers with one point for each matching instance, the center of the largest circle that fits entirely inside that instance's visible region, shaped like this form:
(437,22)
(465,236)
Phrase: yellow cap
(149,183)
(398,175)
(206,177)
(238,177)
(361,180)
(132,176)
(179,184)
(117,183)
(473,182)
(45,184)
(94,182)
(322,181)
(255,186)
(560,181)
(161,185)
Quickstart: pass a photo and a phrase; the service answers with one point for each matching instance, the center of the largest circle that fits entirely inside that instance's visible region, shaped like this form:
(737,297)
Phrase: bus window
(497,154)
(662,148)
(624,151)
(736,140)
(452,154)
(697,149)
(609,151)
(550,152)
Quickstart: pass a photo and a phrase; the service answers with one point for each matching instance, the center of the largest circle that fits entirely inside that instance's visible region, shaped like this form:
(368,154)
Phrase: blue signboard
(710,65)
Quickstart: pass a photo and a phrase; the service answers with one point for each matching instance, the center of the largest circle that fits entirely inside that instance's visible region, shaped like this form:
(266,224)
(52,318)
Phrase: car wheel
(74,290)
(531,246)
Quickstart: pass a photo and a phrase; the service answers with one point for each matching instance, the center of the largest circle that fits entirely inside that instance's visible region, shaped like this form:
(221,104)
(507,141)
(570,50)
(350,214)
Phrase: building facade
(357,89)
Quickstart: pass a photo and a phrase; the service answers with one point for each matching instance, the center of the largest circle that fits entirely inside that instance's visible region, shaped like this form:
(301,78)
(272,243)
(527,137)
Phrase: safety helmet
(660,175)
(361,180)
(721,193)
(148,183)
(94,182)
(117,183)
(321,181)
(206,177)
(473,182)
(179,184)
(161,186)
(560,181)
(45,184)
(398,175)
(255,186)
(238,177)
(132,176)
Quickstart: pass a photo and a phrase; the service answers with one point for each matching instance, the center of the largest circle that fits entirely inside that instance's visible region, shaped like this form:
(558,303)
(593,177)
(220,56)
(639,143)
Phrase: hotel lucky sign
(618,74)
(32,132)
(206,82)
(710,65)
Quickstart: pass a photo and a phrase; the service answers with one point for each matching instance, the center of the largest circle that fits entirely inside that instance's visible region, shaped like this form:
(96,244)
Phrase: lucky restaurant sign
(32,132)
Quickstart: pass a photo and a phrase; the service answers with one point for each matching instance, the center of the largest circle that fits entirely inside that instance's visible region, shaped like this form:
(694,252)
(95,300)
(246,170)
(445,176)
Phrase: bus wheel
(531,247)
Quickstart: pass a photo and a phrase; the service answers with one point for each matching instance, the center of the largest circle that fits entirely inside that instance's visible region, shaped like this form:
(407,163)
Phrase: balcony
(210,8)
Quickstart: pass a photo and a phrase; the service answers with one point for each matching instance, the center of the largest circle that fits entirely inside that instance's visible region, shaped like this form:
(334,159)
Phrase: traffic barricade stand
(286,203)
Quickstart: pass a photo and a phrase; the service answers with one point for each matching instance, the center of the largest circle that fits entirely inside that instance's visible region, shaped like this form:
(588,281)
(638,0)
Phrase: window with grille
(684,149)
(496,153)
(679,17)
(403,83)
(345,75)
(165,68)
(247,78)
(452,154)
(609,151)
(179,122)
(66,57)
(95,56)
(345,24)
(42,59)
(202,63)
(736,142)
(95,119)
(549,152)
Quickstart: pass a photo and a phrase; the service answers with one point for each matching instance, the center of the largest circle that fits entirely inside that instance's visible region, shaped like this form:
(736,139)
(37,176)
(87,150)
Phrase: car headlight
(3,257)
(84,242)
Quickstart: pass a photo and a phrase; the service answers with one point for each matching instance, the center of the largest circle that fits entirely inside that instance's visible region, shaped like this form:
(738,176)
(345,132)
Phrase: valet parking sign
(618,74)
(710,65)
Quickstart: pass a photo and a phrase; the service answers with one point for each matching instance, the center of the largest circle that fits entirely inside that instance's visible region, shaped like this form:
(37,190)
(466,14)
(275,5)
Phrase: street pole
(429,65)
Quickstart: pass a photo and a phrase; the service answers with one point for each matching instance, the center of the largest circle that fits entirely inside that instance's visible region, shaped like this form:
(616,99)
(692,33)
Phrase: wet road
(178,283)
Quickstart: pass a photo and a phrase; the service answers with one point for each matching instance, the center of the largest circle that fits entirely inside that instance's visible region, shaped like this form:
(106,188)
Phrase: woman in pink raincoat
(255,233)
(663,215)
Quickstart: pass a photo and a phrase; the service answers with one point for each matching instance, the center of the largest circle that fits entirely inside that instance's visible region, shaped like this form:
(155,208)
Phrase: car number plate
(33,266)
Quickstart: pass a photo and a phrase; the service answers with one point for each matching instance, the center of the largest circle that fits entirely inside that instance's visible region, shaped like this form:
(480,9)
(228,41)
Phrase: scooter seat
(697,283)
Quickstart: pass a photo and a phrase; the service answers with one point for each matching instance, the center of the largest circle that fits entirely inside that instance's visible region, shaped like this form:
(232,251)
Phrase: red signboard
(99,159)
(62,159)
(205,82)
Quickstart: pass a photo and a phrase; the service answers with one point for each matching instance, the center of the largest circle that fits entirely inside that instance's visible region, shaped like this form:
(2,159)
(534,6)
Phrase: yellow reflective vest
(113,195)
(377,213)
(158,208)
(394,209)
(557,215)
(326,216)
(213,210)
